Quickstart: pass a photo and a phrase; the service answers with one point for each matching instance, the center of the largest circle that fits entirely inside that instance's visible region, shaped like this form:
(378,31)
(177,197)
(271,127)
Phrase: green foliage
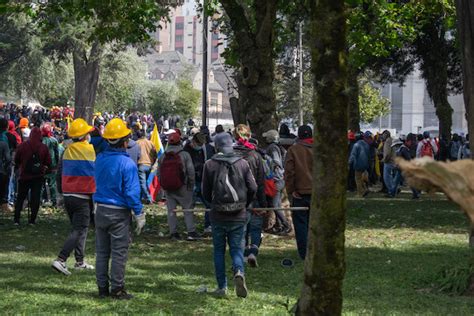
(169,98)
(122,82)
(452,280)
(371,103)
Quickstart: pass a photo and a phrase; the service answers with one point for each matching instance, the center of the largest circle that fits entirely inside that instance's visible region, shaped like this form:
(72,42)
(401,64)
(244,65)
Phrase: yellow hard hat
(116,129)
(79,128)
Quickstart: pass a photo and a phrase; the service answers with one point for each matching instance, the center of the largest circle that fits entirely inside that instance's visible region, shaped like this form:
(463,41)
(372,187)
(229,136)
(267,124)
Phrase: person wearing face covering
(32,160)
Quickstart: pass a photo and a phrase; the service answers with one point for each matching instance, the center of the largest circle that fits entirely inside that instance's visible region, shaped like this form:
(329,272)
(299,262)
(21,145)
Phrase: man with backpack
(77,185)
(33,161)
(299,183)
(276,156)
(117,197)
(404,152)
(229,186)
(359,161)
(177,178)
(426,147)
(465,150)
(200,152)
(53,147)
(454,147)
(248,151)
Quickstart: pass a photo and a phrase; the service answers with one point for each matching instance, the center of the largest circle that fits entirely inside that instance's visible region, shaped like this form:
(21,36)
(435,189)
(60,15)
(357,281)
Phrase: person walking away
(117,196)
(299,183)
(388,163)
(32,160)
(404,153)
(253,231)
(53,147)
(426,147)
(277,155)
(77,185)
(177,178)
(200,152)
(5,166)
(147,159)
(351,140)
(465,150)
(229,186)
(359,161)
(13,141)
(454,147)
(133,151)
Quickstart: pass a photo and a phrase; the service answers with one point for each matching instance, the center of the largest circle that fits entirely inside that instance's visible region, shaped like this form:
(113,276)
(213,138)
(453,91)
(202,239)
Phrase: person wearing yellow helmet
(77,185)
(117,196)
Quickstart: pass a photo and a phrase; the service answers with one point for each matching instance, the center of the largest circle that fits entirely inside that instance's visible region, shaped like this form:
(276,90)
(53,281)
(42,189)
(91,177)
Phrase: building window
(179,26)
(215,36)
(179,49)
(179,38)
(214,102)
(215,49)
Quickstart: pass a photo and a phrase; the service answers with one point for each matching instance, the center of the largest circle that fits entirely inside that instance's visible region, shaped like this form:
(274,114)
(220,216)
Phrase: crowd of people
(105,172)
(372,158)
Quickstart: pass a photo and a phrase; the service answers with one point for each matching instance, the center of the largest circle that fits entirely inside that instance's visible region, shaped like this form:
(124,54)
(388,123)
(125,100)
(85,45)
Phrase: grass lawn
(395,251)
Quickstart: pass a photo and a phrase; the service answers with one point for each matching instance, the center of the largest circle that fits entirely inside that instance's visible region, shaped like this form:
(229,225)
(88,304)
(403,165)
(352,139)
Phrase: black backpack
(33,165)
(230,190)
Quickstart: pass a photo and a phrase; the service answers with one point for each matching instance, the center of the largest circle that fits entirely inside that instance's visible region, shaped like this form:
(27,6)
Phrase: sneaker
(16,224)
(366,193)
(193,236)
(120,294)
(220,292)
(285,231)
(104,292)
(252,260)
(61,267)
(83,266)
(207,230)
(240,286)
(175,236)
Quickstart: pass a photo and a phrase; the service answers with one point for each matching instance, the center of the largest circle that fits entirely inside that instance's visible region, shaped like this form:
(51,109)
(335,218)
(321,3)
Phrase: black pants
(300,222)
(33,187)
(4,178)
(79,211)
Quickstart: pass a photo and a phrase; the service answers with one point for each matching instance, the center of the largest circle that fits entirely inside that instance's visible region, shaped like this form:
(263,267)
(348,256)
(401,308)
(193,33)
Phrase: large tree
(252,26)
(465,18)
(82,30)
(325,264)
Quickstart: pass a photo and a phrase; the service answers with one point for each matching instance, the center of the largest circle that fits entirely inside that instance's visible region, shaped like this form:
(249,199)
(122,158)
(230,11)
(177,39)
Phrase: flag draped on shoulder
(155,139)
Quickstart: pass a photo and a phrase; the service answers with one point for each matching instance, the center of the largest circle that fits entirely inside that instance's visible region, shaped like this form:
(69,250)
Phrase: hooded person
(33,161)
(117,196)
(53,147)
(177,178)
(229,187)
(248,150)
(133,151)
(277,155)
(12,131)
(77,185)
(299,183)
(5,167)
(23,129)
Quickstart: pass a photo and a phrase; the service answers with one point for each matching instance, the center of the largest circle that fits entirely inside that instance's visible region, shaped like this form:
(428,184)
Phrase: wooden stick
(257,209)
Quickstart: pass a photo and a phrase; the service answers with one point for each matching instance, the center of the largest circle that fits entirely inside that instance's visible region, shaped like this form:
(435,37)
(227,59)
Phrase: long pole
(258,209)
(300,64)
(204,65)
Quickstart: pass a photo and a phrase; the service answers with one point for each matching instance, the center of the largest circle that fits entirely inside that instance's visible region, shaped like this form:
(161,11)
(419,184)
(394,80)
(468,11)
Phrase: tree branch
(240,24)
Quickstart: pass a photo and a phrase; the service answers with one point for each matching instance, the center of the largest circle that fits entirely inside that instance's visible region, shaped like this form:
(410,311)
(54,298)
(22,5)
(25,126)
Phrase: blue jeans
(233,233)
(12,188)
(398,180)
(253,234)
(143,173)
(388,177)
(300,222)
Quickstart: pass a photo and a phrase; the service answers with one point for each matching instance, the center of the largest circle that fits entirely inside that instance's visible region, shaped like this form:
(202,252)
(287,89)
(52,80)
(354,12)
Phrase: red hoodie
(25,151)
(11,130)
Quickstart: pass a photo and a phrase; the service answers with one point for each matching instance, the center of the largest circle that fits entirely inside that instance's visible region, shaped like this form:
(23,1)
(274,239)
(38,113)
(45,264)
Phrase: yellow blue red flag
(155,139)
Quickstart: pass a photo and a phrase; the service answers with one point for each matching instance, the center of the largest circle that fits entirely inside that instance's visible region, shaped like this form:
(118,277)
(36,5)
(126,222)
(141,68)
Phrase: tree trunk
(254,46)
(465,14)
(354,111)
(86,79)
(324,269)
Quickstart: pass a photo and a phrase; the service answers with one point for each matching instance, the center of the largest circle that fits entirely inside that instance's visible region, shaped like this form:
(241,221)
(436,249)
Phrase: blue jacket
(359,158)
(116,177)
